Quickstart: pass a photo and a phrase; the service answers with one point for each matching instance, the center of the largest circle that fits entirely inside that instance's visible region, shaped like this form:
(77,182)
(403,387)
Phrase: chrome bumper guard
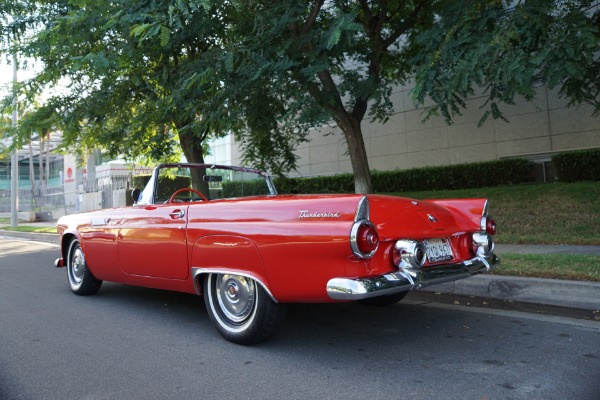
(406,279)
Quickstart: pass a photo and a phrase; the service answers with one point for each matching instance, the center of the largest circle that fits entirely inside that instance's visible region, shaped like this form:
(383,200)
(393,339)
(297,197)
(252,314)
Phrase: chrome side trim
(406,279)
(484,215)
(362,211)
(196,272)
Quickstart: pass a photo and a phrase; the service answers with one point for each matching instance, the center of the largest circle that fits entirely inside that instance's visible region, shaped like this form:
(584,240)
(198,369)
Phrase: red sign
(69,175)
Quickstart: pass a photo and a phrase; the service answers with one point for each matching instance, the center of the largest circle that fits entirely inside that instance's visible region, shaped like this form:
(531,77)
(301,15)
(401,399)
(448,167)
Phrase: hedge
(245,188)
(577,165)
(461,176)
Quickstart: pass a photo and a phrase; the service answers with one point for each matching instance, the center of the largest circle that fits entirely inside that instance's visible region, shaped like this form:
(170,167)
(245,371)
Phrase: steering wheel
(187,190)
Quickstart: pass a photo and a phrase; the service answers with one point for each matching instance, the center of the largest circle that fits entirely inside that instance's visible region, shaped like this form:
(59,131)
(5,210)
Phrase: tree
(115,84)
(305,63)
(146,76)
(508,51)
(339,59)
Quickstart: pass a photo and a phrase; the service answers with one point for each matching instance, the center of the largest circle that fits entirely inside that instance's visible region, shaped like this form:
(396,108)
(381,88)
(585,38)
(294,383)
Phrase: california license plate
(438,250)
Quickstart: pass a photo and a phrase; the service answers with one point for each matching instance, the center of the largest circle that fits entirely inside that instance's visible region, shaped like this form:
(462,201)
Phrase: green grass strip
(551,266)
(31,229)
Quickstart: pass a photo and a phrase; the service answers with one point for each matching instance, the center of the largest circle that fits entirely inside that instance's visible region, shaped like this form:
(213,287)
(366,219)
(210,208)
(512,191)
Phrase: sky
(6,76)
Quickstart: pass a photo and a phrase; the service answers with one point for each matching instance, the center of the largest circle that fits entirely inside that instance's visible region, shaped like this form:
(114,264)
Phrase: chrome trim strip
(484,215)
(408,279)
(362,210)
(196,272)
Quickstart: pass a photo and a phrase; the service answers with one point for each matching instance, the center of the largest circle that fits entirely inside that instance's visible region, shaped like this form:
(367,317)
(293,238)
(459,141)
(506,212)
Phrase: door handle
(177,214)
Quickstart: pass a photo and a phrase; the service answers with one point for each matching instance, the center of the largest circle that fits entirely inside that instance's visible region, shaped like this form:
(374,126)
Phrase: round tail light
(364,239)
(367,238)
(490,226)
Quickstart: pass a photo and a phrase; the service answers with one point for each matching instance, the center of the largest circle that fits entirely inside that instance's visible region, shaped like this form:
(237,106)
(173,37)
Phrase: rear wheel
(383,301)
(241,309)
(81,279)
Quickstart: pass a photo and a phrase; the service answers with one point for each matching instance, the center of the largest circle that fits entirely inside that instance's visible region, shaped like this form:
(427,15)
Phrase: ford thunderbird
(224,233)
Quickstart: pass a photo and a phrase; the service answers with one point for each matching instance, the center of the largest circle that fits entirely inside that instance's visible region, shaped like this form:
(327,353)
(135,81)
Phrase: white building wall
(544,126)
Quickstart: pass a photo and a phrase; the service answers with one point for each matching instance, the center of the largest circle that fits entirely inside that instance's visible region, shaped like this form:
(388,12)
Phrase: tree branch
(404,27)
(364,5)
(312,17)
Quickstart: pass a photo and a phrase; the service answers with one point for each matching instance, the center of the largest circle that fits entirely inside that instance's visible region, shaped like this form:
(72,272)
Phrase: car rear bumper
(406,279)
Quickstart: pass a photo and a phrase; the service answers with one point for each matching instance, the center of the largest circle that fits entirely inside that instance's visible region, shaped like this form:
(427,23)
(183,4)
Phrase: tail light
(487,224)
(364,239)
(490,226)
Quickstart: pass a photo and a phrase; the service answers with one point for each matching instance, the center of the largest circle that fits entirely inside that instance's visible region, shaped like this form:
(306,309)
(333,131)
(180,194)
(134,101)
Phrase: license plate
(438,250)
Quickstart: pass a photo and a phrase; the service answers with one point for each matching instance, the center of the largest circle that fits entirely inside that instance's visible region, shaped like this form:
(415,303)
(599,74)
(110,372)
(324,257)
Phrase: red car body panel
(293,245)
(223,232)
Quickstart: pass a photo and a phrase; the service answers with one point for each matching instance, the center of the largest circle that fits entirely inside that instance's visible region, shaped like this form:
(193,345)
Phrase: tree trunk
(358,158)
(349,123)
(32,175)
(42,191)
(192,150)
(48,159)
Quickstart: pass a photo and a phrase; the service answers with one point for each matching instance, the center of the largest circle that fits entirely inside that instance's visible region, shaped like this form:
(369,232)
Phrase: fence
(57,198)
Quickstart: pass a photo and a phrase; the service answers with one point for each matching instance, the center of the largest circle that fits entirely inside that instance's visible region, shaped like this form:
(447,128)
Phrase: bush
(577,165)
(462,176)
(342,183)
(140,181)
(244,188)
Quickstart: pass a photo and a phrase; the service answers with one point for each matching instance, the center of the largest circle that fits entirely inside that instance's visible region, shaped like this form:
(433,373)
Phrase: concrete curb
(36,237)
(554,292)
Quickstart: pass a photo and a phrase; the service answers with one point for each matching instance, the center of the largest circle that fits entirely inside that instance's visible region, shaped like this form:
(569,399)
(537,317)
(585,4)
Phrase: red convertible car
(224,233)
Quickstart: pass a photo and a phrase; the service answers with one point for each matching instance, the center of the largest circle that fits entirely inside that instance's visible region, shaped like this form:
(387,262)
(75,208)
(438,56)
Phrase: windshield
(201,182)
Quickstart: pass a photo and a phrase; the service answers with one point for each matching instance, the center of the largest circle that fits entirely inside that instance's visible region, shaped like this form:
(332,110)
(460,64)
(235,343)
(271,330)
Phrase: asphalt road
(136,343)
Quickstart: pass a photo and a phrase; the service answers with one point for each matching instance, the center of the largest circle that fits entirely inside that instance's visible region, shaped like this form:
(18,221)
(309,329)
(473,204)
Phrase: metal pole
(14,192)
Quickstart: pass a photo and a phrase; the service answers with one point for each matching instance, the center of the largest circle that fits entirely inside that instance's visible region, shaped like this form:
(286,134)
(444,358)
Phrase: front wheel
(241,309)
(81,279)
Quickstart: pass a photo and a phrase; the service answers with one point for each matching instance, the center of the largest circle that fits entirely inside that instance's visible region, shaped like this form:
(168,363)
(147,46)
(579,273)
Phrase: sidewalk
(554,292)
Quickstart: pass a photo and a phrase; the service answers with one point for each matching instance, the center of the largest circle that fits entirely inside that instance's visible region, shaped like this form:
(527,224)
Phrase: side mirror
(135,195)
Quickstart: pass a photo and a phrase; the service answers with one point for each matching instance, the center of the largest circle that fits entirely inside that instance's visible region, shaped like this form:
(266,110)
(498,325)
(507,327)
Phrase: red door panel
(152,241)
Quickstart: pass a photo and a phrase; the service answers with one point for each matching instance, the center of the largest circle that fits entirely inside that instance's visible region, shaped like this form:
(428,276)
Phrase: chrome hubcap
(236,296)
(77,266)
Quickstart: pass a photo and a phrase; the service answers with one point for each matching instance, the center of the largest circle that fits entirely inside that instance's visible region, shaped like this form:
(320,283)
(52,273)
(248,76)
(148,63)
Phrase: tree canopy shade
(112,86)
(507,50)
(146,76)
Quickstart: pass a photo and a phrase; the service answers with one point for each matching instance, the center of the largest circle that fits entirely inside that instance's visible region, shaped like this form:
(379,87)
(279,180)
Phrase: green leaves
(147,77)
(508,52)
